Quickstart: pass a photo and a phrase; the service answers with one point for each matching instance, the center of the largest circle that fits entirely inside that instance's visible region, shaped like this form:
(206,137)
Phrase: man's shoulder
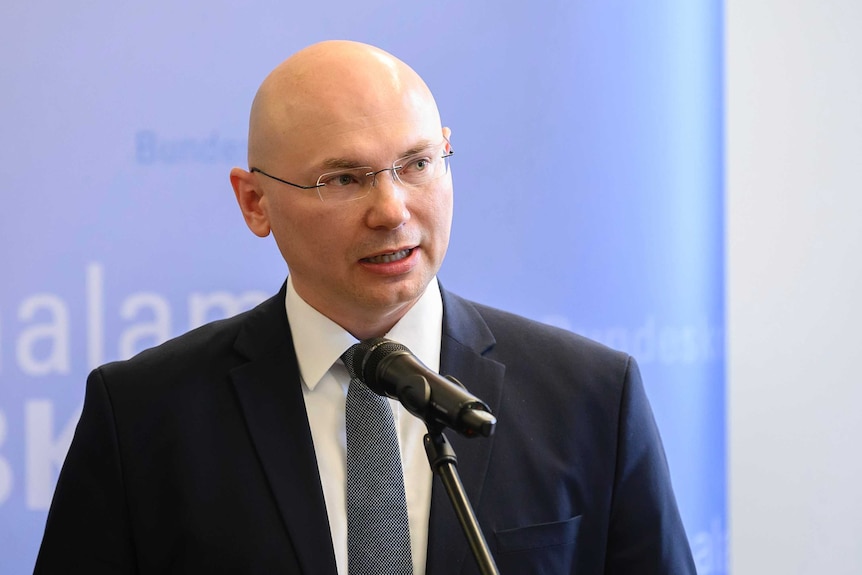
(213,345)
(543,355)
(512,331)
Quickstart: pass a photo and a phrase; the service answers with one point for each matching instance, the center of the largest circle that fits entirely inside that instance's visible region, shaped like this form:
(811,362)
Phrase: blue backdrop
(588,183)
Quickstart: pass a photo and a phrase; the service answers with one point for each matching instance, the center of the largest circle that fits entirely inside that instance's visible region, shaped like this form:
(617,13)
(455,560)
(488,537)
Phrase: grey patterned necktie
(378,533)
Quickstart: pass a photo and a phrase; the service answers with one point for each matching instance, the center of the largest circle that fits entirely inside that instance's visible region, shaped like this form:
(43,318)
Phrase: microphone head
(389,369)
(367,358)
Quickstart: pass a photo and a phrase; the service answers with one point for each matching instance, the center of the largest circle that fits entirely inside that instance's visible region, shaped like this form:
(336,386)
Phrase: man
(223,451)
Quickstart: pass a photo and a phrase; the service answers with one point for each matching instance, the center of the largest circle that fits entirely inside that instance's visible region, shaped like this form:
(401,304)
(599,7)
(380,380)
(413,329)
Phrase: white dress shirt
(319,343)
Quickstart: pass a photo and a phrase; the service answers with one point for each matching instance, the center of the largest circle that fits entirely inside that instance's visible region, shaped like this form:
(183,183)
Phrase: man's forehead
(381,133)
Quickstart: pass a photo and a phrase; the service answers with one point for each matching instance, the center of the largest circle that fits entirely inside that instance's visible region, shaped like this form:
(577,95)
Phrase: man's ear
(250,200)
(447,133)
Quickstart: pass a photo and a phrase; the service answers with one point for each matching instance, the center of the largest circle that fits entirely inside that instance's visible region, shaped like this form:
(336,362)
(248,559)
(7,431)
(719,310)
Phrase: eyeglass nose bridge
(393,169)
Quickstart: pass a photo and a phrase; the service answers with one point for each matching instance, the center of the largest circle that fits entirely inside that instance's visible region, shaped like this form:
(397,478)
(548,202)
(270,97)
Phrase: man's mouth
(389,258)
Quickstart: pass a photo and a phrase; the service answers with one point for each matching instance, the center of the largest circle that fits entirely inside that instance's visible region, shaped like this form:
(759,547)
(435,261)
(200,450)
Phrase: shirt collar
(319,341)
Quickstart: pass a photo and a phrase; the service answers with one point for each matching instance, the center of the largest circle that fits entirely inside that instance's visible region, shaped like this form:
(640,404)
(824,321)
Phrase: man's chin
(393,297)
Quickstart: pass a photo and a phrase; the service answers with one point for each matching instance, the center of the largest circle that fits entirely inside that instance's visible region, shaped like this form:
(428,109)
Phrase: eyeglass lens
(356,183)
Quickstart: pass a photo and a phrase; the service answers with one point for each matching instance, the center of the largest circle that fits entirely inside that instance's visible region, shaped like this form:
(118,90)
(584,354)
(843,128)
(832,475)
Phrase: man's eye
(341,179)
(416,165)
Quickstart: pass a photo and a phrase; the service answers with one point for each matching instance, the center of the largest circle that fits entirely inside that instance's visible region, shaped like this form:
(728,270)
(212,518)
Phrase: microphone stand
(444,463)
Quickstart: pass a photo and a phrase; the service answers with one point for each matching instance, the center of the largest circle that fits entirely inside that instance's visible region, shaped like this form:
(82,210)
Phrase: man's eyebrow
(341,164)
(422,146)
(347,164)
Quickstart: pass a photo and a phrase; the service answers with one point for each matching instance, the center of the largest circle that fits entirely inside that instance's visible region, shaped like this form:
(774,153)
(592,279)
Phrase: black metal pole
(444,463)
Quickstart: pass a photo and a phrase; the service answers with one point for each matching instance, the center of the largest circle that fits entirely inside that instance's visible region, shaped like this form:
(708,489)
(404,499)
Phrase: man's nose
(389,201)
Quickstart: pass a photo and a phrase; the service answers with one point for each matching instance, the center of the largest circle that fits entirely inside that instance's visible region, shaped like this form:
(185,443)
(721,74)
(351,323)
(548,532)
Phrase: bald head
(350,109)
(328,89)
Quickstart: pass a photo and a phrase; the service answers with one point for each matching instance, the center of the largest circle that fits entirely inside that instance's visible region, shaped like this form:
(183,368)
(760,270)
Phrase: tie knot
(347,358)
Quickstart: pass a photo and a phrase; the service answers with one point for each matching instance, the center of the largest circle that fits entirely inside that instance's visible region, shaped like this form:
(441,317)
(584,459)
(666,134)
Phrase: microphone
(389,369)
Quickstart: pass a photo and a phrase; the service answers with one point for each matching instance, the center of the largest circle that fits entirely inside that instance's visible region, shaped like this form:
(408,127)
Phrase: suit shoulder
(513,330)
(207,347)
(537,354)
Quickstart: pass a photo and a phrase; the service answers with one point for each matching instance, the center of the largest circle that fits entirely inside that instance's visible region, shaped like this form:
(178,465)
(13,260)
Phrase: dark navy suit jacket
(196,457)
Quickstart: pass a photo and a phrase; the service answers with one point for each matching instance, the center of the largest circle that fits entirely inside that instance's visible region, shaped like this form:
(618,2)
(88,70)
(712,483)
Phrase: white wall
(794,206)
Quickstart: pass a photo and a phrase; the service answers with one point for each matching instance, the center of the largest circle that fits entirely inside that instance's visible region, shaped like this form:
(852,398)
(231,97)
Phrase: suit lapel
(270,393)
(466,338)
